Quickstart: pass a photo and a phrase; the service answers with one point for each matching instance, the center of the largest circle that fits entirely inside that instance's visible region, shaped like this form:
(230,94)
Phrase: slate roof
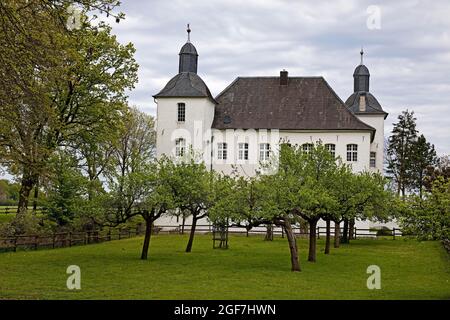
(188,48)
(361,70)
(187,85)
(372,104)
(306,103)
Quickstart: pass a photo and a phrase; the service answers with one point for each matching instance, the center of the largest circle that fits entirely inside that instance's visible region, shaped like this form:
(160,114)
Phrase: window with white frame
(373,159)
(222,151)
(180,147)
(352,152)
(264,151)
(181,112)
(243,151)
(307,147)
(331,148)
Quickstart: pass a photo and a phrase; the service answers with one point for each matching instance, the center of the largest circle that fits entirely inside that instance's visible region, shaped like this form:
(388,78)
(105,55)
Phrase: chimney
(283,78)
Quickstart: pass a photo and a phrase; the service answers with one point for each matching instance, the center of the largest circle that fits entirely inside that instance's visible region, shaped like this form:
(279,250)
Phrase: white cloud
(409,57)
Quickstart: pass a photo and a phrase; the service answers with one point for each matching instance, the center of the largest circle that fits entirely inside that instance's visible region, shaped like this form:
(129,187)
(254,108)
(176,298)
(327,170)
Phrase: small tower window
(331,148)
(243,151)
(222,151)
(307,147)
(373,159)
(181,112)
(352,152)
(180,147)
(264,151)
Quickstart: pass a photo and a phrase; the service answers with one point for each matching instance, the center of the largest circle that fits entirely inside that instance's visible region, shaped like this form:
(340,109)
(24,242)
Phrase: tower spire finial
(362,55)
(189,33)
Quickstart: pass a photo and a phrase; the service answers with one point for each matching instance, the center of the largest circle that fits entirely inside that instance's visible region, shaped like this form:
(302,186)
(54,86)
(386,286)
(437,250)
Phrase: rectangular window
(180,147)
(264,151)
(222,151)
(352,152)
(331,148)
(243,151)
(181,112)
(307,147)
(373,159)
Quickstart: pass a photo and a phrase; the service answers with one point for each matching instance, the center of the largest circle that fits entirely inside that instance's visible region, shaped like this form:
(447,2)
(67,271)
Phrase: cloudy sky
(406,44)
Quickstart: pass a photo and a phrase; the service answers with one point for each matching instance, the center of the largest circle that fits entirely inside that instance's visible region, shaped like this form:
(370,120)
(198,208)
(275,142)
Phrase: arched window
(307,147)
(331,148)
(180,147)
(352,152)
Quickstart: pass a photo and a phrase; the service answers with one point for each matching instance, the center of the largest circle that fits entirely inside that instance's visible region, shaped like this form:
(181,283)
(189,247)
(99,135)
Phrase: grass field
(250,269)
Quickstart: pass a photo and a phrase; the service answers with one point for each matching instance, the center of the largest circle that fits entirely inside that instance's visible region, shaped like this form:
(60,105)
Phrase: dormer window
(181,112)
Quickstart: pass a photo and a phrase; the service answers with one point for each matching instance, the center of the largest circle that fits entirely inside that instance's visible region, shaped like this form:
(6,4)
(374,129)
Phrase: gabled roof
(185,85)
(306,103)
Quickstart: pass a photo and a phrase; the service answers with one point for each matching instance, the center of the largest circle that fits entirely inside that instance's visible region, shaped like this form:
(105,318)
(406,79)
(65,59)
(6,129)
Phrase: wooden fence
(321,231)
(66,239)
(13,210)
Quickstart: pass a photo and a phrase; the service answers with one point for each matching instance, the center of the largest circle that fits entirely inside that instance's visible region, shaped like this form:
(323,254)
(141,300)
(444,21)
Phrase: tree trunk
(191,236)
(295,264)
(36,195)
(24,194)
(183,223)
(337,234)
(351,229)
(312,240)
(328,237)
(148,234)
(269,233)
(345,232)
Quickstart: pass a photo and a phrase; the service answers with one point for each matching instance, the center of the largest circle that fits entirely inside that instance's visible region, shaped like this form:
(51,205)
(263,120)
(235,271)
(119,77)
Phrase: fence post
(393,233)
(318,232)
(35,242)
(120,233)
(129,233)
(96,236)
(15,244)
(53,242)
(88,237)
(70,239)
(356,232)
(109,234)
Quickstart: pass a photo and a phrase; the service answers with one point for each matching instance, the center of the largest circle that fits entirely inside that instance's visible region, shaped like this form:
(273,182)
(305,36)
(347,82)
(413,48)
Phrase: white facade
(185,123)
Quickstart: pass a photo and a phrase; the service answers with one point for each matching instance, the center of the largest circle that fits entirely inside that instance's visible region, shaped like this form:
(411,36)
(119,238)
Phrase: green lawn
(250,269)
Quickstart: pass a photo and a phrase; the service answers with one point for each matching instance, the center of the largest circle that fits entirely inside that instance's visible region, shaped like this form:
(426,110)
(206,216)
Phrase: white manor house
(245,124)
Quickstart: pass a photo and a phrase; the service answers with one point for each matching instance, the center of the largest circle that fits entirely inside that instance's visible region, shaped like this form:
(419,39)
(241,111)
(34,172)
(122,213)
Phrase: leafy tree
(192,187)
(400,150)
(433,172)
(423,156)
(428,218)
(132,154)
(65,189)
(55,85)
